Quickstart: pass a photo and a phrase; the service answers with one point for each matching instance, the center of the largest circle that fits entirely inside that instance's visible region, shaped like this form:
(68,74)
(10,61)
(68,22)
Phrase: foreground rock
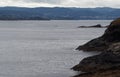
(103,61)
(111,35)
(112,72)
(106,64)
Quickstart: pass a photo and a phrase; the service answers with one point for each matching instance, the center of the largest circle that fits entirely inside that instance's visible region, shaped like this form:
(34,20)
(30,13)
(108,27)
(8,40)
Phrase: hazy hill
(57,13)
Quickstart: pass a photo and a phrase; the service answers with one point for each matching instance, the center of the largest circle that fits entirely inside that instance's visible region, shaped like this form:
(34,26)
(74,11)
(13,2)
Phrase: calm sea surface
(44,48)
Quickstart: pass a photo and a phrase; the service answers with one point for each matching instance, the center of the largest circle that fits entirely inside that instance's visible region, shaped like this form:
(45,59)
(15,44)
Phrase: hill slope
(57,13)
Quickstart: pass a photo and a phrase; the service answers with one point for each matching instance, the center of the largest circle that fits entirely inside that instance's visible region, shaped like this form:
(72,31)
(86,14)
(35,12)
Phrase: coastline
(107,63)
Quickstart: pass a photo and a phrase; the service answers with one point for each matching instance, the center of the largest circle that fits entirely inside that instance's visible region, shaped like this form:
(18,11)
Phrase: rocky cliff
(107,63)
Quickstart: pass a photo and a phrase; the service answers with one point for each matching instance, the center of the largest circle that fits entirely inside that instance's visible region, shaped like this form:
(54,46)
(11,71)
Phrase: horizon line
(56,7)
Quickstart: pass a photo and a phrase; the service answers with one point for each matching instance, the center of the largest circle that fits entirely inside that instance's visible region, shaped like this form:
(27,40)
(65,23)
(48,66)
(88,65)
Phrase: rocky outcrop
(97,44)
(107,63)
(103,64)
(102,61)
(94,26)
(111,35)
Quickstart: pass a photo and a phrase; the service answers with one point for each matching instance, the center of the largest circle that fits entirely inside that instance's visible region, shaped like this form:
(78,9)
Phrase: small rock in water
(94,26)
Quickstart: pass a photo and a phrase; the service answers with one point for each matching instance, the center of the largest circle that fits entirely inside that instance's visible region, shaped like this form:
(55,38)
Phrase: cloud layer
(64,3)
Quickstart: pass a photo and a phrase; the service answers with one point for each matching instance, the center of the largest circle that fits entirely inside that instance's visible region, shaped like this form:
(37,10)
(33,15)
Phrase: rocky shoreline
(107,63)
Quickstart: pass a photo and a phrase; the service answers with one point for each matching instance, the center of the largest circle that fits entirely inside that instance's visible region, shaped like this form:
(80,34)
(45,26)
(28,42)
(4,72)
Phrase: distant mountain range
(58,13)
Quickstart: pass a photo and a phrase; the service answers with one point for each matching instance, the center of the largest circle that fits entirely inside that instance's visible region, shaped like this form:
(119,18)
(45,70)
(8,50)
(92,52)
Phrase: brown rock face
(115,22)
(111,35)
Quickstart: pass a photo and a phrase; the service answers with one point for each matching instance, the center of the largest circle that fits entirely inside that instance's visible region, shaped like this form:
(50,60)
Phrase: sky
(61,3)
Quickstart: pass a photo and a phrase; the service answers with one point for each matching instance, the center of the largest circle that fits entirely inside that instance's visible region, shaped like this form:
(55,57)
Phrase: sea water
(44,48)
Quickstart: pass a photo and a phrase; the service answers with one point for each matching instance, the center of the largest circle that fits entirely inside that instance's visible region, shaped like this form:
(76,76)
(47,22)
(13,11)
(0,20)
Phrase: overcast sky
(61,3)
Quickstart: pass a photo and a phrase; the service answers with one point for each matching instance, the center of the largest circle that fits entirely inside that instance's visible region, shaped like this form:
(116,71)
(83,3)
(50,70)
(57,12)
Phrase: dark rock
(112,72)
(98,26)
(106,64)
(111,35)
(114,48)
(94,26)
(97,44)
(102,61)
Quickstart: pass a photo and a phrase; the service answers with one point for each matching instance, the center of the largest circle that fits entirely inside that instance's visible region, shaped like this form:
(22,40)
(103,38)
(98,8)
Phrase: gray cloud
(45,1)
(65,3)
